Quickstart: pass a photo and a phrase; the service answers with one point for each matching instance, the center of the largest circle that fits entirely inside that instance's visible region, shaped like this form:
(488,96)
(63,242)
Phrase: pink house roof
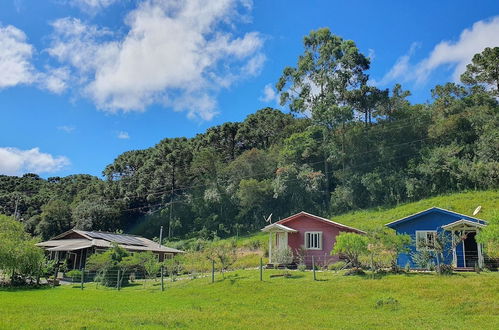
(315,217)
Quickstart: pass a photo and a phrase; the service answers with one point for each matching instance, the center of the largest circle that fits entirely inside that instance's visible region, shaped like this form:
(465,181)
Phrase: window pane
(430,237)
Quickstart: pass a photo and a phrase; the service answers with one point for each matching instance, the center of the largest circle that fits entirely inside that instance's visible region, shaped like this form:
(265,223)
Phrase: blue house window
(425,239)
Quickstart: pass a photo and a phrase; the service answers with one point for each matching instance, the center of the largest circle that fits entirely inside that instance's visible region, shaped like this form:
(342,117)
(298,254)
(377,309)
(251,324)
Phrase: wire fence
(118,278)
(318,267)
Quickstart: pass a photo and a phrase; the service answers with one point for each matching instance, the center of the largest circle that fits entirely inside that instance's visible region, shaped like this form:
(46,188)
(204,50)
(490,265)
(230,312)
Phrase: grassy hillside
(241,301)
(464,203)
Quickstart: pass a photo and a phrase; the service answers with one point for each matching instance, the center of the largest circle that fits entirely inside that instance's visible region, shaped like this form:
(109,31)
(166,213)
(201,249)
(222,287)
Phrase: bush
(423,259)
(111,263)
(444,269)
(74,274)
(352,246)
(302,267)
(19,257)
(354,271)
(283,256)
(389,302)
(337,266)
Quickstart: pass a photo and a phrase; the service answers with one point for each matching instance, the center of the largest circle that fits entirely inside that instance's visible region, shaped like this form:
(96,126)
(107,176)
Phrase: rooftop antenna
(477,210)
(269,218)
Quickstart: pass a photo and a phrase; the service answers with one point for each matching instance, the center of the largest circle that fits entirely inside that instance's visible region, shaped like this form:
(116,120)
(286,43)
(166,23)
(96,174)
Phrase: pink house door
(282,240)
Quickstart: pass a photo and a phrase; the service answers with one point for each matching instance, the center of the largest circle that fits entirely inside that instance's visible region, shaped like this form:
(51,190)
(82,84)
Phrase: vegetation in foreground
(240,300)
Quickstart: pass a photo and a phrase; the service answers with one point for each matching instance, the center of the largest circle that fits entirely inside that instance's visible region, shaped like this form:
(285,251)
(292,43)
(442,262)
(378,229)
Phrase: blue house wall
(429,220)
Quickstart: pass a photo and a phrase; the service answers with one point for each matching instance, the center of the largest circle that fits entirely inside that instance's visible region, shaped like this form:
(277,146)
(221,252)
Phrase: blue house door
(467,251)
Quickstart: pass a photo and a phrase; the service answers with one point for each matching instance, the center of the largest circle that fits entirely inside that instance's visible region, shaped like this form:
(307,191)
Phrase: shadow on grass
(25,288)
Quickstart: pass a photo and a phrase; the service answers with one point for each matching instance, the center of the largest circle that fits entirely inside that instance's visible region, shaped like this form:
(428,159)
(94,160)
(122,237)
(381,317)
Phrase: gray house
(75,246)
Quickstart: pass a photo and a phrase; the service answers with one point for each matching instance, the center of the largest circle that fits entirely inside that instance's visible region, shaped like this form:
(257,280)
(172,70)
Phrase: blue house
(461,248)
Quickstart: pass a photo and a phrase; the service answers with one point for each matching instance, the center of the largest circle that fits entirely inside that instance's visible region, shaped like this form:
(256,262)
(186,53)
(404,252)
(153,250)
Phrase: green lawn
(425,301)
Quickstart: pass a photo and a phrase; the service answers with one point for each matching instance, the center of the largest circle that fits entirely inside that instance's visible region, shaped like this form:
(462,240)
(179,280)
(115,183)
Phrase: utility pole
(16,214)
(160,236)
(171,215)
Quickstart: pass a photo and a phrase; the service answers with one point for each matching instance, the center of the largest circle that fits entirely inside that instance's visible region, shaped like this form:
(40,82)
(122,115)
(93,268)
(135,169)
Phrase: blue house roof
(395,223)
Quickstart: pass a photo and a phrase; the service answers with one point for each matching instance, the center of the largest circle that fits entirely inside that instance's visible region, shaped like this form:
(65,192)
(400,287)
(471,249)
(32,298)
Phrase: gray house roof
(85,239)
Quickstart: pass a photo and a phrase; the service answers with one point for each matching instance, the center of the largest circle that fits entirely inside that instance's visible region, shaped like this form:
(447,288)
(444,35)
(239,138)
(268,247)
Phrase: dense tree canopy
(345,145)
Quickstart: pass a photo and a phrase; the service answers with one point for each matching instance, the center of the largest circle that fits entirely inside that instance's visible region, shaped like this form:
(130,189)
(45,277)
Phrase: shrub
(423,259)
(74,274)
(389,302)
(283,256)
(302,267)
(444,269)
(352,246)
(337,266)
(19,257)
(109,264)
(354,271)
(224,253)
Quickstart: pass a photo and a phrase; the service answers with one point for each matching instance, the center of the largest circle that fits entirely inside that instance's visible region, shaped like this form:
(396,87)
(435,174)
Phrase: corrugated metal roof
(103,240)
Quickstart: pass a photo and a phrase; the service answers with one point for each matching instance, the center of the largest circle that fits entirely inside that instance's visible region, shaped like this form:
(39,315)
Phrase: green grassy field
(428,301)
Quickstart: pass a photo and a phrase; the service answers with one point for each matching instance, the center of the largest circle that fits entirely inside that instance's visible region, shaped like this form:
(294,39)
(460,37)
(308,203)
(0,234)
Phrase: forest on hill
(344,145)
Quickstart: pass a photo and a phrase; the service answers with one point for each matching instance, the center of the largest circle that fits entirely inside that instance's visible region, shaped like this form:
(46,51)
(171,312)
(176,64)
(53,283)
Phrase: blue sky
(82,81)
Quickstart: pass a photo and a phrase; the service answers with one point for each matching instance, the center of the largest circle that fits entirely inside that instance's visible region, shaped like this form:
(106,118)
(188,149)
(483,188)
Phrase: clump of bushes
(390,303)
(75,275)
(337,266)
(116,266)
(376,251)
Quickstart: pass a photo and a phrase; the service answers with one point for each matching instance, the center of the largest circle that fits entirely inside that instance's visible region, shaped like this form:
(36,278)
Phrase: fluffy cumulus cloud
(269,94)
(175,53)
(16,64)
(15,58)
(456,54)
(14,161)
(92,6)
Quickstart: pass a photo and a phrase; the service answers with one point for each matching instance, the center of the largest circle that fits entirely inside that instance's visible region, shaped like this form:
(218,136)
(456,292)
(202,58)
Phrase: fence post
(261,269)
(213,271)
(313,267)
(162,280)
(118,281)
(82,277)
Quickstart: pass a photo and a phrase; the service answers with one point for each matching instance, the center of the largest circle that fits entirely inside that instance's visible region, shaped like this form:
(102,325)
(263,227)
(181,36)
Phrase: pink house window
(313,240)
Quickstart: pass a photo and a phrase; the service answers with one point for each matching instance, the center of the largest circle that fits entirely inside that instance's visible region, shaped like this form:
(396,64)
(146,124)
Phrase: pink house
(308,236)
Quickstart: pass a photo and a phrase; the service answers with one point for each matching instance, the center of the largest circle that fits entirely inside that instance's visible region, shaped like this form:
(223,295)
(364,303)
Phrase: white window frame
(319,240)
(426,232)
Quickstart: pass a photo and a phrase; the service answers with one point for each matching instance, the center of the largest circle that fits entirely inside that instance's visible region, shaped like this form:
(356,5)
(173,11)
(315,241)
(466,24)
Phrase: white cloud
(176,53)
(15,58)
(456,54)
(16,68)
(123,135)
(401,69)
(14,161)
(92,6)
(270,94)
(66,128)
